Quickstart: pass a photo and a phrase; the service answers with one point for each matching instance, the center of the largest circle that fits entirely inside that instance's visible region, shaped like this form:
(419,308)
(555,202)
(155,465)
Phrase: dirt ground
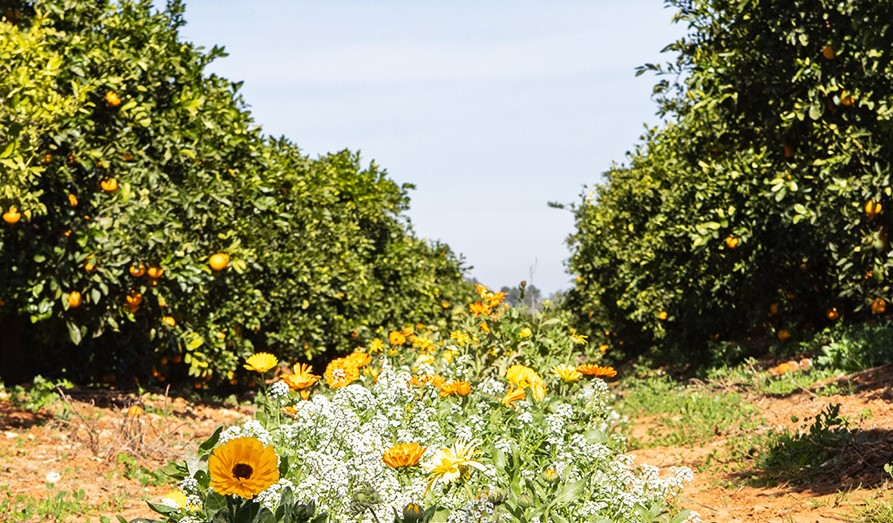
(722,493)
(88,441)
(85,437)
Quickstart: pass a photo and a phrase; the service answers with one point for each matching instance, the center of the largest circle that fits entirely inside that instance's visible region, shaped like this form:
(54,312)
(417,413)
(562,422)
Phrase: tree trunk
(12,357)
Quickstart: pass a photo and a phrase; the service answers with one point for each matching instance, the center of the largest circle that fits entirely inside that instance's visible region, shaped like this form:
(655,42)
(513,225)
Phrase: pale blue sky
(491,108)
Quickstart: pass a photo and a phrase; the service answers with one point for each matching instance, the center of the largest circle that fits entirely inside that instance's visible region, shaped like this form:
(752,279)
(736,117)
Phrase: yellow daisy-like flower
(261,362)
(461,338)
(538,389)
(403,455)
(359,359)
(481,290)
(485,327)
(567,373)
(494,298)
(303,378)
(479,309)
(455,388)
(452,463)
(397,338)
(244,467)
(578,338)
(513,395)
(340,373)
(376,345)
(594,371)
(525,332)
(422,343)
(520,375)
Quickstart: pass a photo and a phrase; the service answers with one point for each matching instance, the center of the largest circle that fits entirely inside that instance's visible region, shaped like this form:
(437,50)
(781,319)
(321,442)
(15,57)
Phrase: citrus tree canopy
(150,226)
(763,206)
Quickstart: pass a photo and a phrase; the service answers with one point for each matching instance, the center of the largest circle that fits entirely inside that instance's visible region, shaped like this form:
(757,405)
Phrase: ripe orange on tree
(134,299)
(832,314)
(732,242)
(873,209)
(112,98)
(74,300)
(169,321)
(662,315)
(878,306)
(12,216)
(828,52)
(137,271)
(218,261)
(109,185)
(155,272)
(784,335)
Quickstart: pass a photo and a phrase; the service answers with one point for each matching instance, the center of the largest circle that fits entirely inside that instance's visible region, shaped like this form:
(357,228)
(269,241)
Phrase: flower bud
(525,500)
(413,513)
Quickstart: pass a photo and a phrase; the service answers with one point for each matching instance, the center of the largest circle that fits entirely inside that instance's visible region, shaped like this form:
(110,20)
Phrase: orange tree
(762,207)
(124,168)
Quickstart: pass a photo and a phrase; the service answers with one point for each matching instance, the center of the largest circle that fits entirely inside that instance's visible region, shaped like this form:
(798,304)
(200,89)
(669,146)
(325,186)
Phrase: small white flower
(53,476)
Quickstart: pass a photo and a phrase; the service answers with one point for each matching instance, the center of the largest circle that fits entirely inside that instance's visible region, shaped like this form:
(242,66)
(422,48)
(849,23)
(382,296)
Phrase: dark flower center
(242,471)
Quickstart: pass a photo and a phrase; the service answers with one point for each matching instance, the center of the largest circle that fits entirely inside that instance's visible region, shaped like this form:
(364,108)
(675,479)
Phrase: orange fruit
(873,209)
(732,242)
(832,314)
(12,216)
(878,306)
(74,300)
(218,261)
(773,309)
(828,52)
(73,200)
(169,321)
(137,271)
(134,299)
(109,185)
(90,263)
(784,335)
(155,272)
(662,315)
(112,99)
(846,99)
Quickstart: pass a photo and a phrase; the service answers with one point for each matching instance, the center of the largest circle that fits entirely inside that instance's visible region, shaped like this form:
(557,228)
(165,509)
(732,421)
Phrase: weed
(796,456)
(133,470)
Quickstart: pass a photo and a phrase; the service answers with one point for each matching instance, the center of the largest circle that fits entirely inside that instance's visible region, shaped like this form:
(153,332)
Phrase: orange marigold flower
(513,395)
(244,467)
(396,338)
(494,298)
(340,373)
(479,309)
(403,455)
(435,380)
(455,388)
(567,373)
(481,290)
(359,359)
(303,377)
(594,371)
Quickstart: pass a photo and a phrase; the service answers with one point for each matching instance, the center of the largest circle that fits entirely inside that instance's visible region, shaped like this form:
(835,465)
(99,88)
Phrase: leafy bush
(761,208)
(126,168)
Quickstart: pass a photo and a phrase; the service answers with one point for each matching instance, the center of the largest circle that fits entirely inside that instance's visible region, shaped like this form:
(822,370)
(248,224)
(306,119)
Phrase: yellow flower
(481,290)
(176,499)
(513,395)
(359,359)
(243,467)
(538,389)
(455,388)
(452,463)
(567,373)
(397,338)
(340,373)
(376,345)
(485,327)
(593,370)
(494,298)
(525,332)
(403,455)
(577,338)
(422,343)
(520,375)
(479,309)
(461,338)
(449,355)
(303,377)
(261,362)
(603,348)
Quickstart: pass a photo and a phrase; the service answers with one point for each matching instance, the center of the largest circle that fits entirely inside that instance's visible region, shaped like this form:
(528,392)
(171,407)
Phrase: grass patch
(686,415)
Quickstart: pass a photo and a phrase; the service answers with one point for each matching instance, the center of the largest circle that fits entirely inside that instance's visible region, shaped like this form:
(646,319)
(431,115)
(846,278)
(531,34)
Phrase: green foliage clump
(123,158)
(761,209)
